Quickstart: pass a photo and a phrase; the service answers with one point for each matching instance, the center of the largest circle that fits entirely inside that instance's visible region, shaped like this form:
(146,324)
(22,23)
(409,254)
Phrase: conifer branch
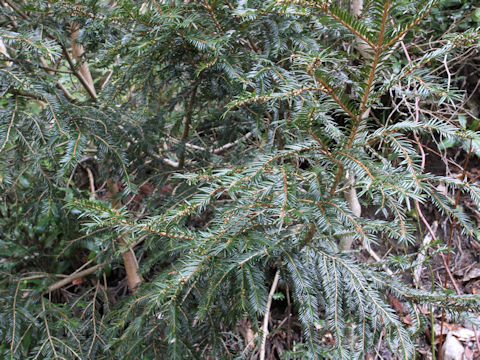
(47,328)
(43,65)
(330,91)
(400,35)
(348,26)
(17,10)
(376,57)
(325,7)
(208,239)
(210,11)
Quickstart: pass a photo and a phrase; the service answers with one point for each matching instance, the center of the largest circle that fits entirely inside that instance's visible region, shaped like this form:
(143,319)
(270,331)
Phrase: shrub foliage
(218,141)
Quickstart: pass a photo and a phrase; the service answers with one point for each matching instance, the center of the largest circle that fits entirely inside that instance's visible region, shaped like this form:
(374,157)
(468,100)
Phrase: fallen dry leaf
(437,328)
(408,320)
(461,333)
(77,281)
(396,304)
(468,355)
(473,273)
(452,348)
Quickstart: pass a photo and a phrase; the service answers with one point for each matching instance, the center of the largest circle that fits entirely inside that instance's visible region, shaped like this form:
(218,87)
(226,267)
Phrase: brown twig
(58,84)
(310,233)
(91,181)
(77,275)
(79,76)
(79,54)
(225,147)
(67,94)
(49,336)
(210,11)
(477,341)
(129,259)
(407,29)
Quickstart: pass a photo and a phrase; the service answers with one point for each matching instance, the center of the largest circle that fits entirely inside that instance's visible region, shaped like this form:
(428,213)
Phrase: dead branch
(267,314)
(129,260)
(77,275)
(78,54)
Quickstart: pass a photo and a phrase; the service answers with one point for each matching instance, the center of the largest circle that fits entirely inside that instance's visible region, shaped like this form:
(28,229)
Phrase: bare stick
(131,267)
(59,284)
(222,148)
(225,147)
(9,127)
(171,163)
(267,314)
(67,94)
(78,54)
(91,180)
(106,79)
(354,205)
(85,84)
(129,260)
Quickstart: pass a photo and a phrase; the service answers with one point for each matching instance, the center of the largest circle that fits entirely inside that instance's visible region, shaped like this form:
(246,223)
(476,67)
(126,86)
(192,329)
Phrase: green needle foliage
(232,131)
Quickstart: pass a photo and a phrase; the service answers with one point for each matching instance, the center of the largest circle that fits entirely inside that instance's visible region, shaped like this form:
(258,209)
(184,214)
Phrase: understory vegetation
(172,172)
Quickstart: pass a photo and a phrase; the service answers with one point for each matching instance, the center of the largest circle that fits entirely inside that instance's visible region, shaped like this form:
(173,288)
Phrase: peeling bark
(354,205)
(129,260)
(78,54)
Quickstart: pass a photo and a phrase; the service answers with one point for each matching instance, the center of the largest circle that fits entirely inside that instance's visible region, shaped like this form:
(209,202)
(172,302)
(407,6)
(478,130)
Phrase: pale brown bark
(363,48)
(68,280)
(78,54)
(3,50)
(131,267)
(129,260)
(351,194)
(357,7)
(354,205)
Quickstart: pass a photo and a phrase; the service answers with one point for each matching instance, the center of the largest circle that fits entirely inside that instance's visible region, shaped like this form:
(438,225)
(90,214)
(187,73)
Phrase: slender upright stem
(267,314)
(186,124)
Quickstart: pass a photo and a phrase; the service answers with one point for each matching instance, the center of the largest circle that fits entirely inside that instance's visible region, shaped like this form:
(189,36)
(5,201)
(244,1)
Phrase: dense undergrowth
(216,154)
